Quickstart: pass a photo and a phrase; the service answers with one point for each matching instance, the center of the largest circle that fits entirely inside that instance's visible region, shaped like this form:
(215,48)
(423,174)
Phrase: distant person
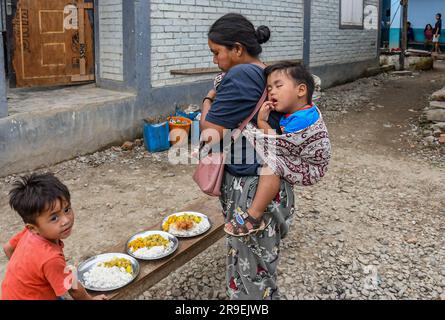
(410,33)
(428,34)
(436,33)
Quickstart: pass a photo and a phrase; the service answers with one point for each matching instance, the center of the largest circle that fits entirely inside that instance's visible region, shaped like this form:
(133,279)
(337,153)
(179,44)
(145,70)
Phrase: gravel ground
(372,229)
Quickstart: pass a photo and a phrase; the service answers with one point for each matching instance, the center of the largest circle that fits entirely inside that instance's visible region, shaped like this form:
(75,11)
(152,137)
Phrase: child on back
(290,88)
(37,268)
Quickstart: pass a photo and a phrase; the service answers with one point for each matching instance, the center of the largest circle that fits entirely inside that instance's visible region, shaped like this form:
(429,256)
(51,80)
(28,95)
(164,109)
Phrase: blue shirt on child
(299,120)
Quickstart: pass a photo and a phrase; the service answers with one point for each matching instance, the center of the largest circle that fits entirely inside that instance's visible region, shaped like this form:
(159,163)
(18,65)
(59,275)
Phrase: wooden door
(53,42)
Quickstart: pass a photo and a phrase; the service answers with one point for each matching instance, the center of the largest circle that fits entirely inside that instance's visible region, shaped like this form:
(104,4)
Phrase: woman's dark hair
(35,193)
(296,71)
(232,28)
(426,27)
(440,15)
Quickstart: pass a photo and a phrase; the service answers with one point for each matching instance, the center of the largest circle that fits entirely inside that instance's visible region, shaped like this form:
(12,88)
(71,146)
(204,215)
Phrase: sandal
(242,224)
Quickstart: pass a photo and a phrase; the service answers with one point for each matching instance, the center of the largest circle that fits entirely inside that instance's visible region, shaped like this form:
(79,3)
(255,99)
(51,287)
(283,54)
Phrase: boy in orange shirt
(37,268)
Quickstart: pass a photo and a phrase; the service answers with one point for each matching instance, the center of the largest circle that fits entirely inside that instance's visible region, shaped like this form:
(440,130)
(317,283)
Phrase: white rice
(153,252)
(197,229)
(105,278)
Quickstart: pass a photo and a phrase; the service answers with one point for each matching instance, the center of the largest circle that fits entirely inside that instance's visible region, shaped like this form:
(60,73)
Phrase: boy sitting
(301,155)
(37,269)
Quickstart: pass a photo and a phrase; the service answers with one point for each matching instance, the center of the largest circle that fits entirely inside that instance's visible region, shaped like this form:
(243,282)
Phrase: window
(351,14)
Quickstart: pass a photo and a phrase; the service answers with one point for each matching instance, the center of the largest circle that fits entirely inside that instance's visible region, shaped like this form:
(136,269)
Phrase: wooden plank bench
(151,272)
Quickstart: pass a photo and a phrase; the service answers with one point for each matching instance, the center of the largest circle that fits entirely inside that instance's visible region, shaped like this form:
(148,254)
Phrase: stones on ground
(439,95)
(437,104)
(169,175)
(411,240)
(424,64)
(127,146)
(437,115)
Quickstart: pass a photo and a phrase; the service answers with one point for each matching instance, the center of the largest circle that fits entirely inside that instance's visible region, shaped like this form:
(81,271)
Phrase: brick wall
(332,45)
(179,33)
(111,39)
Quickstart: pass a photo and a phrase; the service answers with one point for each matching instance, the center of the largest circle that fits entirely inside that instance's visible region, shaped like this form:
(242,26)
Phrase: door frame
(10,44)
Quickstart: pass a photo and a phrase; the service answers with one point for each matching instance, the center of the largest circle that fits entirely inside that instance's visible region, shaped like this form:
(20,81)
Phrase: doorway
(49,42)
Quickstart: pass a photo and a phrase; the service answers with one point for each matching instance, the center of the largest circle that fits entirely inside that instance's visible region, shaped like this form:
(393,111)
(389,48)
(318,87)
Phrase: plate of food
(186,224)
(108,271)
(151,245)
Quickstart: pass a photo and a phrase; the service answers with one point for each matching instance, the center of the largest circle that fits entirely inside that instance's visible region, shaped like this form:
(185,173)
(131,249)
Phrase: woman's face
(222,56)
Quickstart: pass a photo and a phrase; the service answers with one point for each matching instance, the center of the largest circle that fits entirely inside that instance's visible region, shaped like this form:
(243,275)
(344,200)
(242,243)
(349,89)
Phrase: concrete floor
(30,100)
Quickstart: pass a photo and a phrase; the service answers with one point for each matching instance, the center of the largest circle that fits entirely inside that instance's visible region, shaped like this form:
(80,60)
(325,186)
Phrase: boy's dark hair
(234,27)
(297,72)
(35,193)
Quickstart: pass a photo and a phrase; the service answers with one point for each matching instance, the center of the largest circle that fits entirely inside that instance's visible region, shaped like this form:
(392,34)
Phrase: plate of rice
(108,271)
(151,245)
(186,224)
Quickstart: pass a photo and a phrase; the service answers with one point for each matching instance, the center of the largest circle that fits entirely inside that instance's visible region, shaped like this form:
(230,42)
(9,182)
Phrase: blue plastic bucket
(190,116)
(156,136)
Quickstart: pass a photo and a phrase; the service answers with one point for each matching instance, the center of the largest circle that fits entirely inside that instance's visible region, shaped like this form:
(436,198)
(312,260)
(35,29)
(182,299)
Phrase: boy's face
(284,93)
(54,223)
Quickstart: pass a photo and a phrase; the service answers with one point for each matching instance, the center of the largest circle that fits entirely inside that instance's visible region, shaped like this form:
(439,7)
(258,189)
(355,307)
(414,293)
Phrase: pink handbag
(210,171)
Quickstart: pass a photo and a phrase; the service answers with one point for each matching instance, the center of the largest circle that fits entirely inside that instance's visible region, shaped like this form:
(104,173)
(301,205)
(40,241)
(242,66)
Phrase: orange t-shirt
(36,270)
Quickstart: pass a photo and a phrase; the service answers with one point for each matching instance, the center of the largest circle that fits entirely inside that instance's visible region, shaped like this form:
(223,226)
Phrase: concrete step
(373,71)
(436,115)
(439,126)
(439,95)
(437,104)
(402,73)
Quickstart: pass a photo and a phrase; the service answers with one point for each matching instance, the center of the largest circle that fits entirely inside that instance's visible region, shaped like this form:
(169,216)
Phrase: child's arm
(263,117)
(10,246)
(8,249)
(81,294)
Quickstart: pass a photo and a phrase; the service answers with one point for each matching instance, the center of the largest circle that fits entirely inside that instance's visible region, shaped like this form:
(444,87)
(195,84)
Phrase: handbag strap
(237,132)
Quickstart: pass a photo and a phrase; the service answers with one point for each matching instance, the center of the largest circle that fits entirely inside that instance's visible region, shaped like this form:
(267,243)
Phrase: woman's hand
(265,110)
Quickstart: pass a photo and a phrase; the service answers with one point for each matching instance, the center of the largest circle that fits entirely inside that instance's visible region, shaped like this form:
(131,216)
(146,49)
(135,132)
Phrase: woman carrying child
(254,246)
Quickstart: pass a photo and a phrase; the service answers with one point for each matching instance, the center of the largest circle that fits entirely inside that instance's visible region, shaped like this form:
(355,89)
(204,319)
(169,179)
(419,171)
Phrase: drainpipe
(3,100)
(307,32)
(404,4)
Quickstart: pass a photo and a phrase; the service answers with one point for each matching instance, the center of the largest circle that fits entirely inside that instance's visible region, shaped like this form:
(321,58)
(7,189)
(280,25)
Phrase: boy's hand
(8,250)
(266,108)
(100,297)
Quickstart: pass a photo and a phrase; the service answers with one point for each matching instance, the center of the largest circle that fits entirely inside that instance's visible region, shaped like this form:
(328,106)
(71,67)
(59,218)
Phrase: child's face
(55,223)
(284,93)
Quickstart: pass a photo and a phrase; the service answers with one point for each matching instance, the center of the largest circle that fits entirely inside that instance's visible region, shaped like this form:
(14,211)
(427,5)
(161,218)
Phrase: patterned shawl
(300,157)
